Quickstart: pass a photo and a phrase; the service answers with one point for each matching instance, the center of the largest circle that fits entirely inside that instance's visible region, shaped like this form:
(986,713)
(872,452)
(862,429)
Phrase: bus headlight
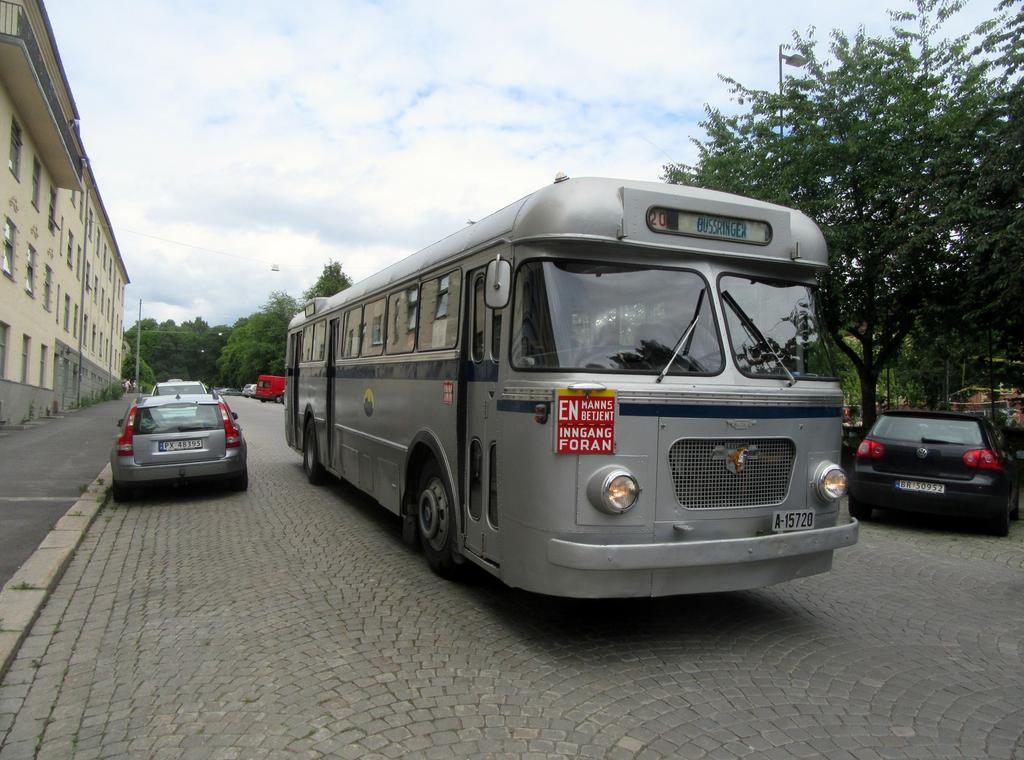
(613,490)
(830,481)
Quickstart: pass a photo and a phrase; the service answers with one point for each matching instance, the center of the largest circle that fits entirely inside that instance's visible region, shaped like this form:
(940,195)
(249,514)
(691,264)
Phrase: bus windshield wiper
(755,333)
(682,338)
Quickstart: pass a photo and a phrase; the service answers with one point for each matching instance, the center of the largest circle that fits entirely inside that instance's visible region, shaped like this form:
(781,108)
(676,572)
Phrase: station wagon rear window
(178,418)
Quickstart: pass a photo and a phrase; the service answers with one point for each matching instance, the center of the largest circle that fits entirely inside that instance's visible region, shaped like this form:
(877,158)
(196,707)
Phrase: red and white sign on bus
(585,422)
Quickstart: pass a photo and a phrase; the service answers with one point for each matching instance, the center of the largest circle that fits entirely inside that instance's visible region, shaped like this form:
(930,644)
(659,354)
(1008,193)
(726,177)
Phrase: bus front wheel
(436,522)
(315,472)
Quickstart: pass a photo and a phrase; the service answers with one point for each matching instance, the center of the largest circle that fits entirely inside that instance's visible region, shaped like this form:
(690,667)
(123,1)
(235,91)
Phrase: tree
(332,280)
(865,152)
(992,197)
(256,345)
(146,377)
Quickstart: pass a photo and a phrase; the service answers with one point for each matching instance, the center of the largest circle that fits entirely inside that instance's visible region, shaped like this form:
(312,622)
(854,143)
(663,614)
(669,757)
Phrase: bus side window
(319,334)
(401,337)
(477,350)
(352,332)
(307,343)
(439,310)
(496,335)
(374,322)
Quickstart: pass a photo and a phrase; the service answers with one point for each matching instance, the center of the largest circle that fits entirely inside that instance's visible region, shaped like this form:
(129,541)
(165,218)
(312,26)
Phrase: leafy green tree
(332,280)
(256,344)
(189,350)
(146,377)
(859,142)
(992,198)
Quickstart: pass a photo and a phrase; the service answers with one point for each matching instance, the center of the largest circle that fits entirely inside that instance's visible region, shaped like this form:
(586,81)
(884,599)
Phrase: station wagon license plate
(916,485)
(794,519)
(186,445)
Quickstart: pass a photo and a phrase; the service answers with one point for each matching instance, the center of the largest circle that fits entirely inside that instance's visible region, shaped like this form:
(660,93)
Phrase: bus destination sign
(585,422)
(709,226)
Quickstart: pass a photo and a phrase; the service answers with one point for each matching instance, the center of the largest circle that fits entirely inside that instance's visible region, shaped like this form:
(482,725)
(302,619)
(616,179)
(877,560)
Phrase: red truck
(270,388)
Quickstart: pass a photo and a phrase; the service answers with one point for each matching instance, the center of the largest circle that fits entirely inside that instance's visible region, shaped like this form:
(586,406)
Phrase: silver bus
(605,389)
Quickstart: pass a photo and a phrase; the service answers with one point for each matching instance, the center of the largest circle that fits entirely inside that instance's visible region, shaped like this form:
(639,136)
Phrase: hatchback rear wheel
(1000,524)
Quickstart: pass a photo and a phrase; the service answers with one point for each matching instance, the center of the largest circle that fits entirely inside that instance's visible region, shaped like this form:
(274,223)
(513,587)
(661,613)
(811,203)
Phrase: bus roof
(606,210)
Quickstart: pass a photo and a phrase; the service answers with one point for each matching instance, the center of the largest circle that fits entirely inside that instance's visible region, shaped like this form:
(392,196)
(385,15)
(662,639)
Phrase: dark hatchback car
(936,462)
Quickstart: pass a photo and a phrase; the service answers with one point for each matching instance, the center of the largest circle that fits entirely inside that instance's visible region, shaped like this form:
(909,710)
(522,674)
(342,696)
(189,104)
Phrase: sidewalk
(54,476)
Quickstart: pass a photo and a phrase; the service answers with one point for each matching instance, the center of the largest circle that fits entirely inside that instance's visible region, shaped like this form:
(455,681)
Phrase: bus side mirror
(498,285)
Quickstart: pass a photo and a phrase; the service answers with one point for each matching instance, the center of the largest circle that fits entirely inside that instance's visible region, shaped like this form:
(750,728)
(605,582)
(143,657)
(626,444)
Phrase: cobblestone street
(291,621)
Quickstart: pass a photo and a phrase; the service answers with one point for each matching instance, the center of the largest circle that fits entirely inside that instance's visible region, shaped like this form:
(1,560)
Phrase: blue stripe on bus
(696,411)
(441,369)
(720,411)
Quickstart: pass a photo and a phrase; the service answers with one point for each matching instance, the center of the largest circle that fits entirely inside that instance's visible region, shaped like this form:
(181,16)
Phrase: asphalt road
(42,472)
(291,621)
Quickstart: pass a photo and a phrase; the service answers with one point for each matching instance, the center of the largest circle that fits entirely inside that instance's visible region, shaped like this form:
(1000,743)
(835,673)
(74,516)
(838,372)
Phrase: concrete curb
(23,596)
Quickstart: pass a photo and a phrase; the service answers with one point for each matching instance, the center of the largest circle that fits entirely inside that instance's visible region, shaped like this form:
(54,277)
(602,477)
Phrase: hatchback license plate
(916,485)
(796,519)
(187,445)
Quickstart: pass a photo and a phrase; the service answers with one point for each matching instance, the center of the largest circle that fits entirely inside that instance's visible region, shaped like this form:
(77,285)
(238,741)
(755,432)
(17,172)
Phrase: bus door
(332,342)
(481,518)
(293,418)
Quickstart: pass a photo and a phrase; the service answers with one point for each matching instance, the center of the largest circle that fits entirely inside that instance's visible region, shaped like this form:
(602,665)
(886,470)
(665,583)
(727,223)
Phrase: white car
(249,390)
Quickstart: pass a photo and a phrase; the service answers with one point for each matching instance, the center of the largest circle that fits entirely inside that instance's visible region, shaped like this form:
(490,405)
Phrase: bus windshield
(601,317)
(773,328)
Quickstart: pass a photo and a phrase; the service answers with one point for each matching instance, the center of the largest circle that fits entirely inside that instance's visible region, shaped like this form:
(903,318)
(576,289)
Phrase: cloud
(255,133)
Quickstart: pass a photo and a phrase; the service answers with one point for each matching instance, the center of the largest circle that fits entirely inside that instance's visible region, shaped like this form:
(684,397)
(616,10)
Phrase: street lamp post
(138,346)
(796,60)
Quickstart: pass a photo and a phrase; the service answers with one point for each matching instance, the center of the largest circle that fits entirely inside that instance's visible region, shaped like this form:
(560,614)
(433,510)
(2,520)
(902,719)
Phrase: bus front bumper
(732,551)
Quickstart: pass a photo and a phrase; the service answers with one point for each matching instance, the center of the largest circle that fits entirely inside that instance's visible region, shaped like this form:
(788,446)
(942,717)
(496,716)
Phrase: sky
(240,146)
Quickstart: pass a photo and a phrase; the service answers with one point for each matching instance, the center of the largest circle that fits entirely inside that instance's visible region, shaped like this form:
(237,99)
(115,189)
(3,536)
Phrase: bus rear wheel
(315,472)
(436,521)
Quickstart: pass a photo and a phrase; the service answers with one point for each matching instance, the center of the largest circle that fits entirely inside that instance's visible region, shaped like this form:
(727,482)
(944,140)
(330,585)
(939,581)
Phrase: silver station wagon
(176,439)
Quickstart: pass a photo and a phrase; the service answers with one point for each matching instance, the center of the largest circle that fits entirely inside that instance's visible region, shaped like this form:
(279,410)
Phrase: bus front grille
(712,473)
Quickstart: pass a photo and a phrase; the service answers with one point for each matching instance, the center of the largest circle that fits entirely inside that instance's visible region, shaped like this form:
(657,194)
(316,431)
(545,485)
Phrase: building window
(8,261)
(51,219)
(14,159)
(74,325)
(67,312)
(26,351)
(30,271)
(94,338)
(37,171)
(42,366)
(47,287)
(71,250)
(4,331)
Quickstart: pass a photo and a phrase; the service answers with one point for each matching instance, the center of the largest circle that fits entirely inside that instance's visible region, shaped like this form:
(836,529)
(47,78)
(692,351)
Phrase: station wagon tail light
(125,446)
(232,435)
(983,459)
(869,449)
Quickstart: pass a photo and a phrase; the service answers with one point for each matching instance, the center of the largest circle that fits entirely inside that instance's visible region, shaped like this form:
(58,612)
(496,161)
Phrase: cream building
(62,279)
